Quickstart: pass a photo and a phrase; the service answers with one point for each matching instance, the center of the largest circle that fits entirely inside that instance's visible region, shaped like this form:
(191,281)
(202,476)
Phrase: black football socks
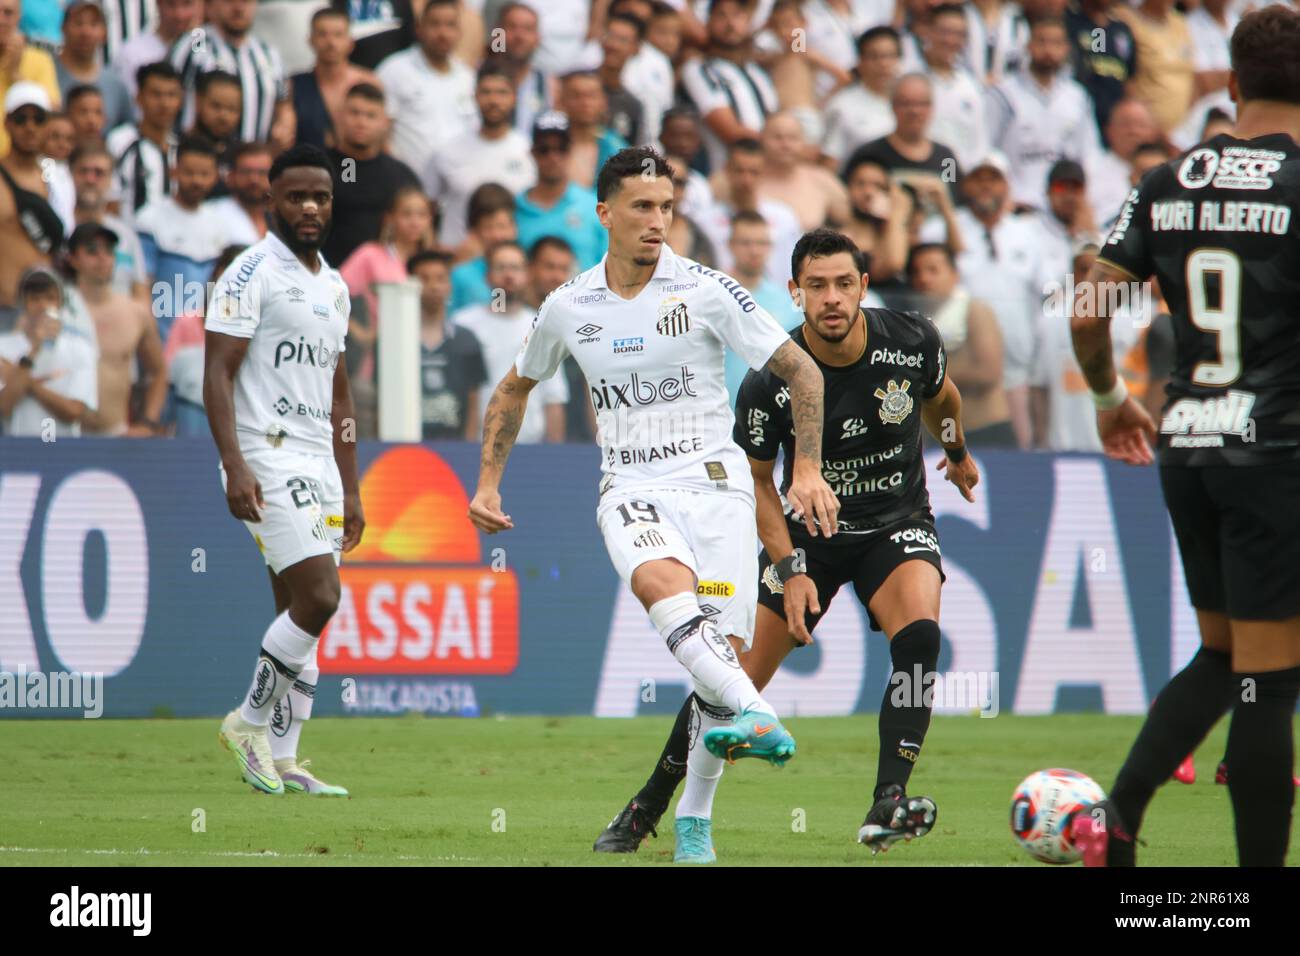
(905,711)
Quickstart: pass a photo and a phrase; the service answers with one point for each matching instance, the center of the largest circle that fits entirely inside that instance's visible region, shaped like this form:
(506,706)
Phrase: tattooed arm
(1127,431)
(501,421)
(809,495)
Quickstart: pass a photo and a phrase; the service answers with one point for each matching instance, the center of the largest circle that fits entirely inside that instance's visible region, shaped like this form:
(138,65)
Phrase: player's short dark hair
(302,154)
(196,144)
(549,242)
(632,161)
(871,34)
(923,247)
(487,200)
(207,81)
(366,91)
(634,21)
(747,217)
(161,70)
(818,244)
(440,256)
(80,90)
(1264,55)
(490,68)
(496,247)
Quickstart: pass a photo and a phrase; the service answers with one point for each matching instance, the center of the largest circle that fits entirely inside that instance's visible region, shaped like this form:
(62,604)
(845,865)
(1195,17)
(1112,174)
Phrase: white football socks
(286,649)
(703,770)
(290,713)
(702,649)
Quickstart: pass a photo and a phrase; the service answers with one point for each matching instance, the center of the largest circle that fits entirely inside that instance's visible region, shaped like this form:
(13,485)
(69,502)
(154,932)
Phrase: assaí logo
(416,597)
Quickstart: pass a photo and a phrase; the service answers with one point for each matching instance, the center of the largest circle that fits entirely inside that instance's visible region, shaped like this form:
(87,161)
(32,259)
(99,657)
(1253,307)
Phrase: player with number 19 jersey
(675,484)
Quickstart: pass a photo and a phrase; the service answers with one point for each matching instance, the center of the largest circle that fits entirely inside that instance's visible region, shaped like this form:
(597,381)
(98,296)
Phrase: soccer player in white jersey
(278,401)
(649,330)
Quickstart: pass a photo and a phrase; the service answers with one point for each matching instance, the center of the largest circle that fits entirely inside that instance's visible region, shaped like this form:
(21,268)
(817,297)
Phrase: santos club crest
(895,404)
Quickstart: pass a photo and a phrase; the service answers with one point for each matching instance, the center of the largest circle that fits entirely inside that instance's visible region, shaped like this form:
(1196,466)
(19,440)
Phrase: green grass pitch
(537,790)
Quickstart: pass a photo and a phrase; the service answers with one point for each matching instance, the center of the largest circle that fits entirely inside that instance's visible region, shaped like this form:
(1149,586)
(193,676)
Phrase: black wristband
(26,362)
(794,563)
(956,455)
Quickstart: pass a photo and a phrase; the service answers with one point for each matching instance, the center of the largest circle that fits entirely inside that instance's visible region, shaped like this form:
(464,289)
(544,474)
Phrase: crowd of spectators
(976,152)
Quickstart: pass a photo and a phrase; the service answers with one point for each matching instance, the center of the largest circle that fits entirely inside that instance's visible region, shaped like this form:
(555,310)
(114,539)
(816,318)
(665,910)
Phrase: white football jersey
(284,390)
(655,369)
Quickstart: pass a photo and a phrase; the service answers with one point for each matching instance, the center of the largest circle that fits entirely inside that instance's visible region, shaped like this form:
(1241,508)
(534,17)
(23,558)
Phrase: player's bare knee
(655,580)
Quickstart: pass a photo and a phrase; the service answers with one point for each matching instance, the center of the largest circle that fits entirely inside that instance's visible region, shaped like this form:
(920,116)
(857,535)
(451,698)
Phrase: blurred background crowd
(976,152)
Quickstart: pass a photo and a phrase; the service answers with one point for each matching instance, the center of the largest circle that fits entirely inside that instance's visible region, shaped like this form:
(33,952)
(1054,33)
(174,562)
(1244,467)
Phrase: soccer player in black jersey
(1219,229)
(884,376)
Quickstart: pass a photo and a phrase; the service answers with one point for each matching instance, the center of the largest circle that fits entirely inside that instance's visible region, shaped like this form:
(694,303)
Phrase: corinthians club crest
(895,403)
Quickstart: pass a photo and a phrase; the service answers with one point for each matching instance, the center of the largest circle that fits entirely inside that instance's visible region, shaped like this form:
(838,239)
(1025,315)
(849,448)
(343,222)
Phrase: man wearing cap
(31,231)
(1067,220)
(84,33)
(1040,115)
(126,331)
(556,205)
(1002,264)
(20,61)
(496,153)
(47,373)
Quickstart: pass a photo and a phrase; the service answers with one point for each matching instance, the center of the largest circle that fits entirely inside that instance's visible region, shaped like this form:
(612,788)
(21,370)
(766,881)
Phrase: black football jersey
(871,435)
(1217,227)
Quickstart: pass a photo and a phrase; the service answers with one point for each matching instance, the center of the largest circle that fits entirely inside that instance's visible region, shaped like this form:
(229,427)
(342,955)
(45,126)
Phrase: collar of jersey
(284,252)
(664,268)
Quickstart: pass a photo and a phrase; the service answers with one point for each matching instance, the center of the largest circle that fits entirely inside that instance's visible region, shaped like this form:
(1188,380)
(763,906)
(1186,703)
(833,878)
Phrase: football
(1041,810)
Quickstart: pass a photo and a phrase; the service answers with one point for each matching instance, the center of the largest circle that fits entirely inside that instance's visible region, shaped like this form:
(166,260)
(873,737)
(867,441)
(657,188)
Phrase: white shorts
(303,516)
(713,534)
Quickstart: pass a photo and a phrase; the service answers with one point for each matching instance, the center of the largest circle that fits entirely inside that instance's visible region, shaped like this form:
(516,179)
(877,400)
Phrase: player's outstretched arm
(222,356)
(942,417)
(343,416)
(1127,431)
(808,494)
(800,592)
(501,421)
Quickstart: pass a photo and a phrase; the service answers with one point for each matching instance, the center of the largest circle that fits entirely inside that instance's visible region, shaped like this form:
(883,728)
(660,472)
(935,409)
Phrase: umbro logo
(854,427)
(283,405)
(588,333)
(708,610)
(295,294)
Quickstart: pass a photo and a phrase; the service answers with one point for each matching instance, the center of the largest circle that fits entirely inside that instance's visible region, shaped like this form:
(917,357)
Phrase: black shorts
(1238,531)
(866,560)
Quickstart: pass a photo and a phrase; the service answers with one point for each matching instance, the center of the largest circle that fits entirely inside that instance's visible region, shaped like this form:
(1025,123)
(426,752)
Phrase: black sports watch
(26,362)
(956,455)
(794,563)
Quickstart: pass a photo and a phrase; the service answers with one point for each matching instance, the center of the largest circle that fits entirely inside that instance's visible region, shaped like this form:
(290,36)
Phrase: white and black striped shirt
(713,83)
(126,19)
(255,62)
(142,171)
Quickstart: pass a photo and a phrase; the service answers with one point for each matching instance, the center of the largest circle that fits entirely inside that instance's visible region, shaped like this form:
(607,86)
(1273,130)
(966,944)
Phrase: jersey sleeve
(758,421)
(1128,247)
(236,306)
(702,86)
(543,350)
(934,357)
(744,326)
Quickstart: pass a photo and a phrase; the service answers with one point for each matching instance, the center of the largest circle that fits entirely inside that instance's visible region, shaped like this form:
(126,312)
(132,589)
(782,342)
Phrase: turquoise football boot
(752,734)
(694,841)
